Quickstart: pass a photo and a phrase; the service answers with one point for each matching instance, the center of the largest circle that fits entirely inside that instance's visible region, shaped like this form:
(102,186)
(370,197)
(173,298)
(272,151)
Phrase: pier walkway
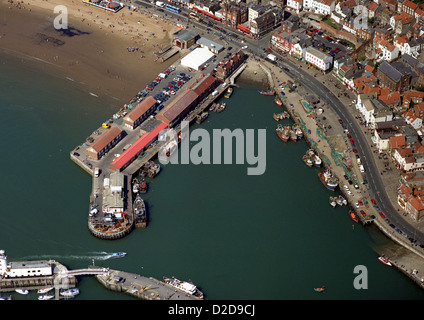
(86,272)
(145,288)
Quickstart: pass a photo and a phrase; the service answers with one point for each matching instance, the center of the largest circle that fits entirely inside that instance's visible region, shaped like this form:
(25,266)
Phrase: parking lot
(334,47)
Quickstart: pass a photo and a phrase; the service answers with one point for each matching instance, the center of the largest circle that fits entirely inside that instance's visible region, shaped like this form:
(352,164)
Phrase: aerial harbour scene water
(196,150)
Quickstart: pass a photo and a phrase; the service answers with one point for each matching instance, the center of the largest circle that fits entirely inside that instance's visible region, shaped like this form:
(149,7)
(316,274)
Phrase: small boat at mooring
(385,261)
(278,101)
(44,290)
(70,293)
(22,291)
(353,216)
(228,93)
(267,92)
(220,107)
(143,186)
(201,117)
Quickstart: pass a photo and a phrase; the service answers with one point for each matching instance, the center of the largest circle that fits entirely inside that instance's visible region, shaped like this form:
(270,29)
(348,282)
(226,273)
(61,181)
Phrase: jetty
(140,287)
(110,212)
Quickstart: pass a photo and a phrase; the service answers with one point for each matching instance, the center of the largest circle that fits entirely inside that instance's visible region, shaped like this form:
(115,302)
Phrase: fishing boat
(228,93)
(341,201)
(44,290)
(317,161)
(150,169)
(293,136)
(278,101)
(220,107)
(283,132)
(70,293)
(385,261)
(308,161)
(154,170)
(353,216)
(185,286)
(320,289)
(22,291)
(212,107)
(201,117)
(277,116)
(267,92)
(143,186)
(45,297)
(136,186)
(333,202)
(6,298)
(299,133)
(167,150)
(139,208)
(118,254)
(329,181)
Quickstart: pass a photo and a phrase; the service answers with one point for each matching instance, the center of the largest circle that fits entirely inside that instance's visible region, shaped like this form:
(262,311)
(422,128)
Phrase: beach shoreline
(95,49)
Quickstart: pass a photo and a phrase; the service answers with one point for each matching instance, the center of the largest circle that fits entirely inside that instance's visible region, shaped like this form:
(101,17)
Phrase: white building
(197,58)
(318,58)
(22,269)
(372,111)
(295,5)
(319,6)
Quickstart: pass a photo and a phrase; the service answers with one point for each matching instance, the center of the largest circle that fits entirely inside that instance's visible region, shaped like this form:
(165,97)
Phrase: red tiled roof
(397,141)
(136,147)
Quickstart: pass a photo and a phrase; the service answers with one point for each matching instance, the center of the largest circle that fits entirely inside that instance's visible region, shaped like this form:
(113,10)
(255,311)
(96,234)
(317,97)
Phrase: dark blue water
(272,236)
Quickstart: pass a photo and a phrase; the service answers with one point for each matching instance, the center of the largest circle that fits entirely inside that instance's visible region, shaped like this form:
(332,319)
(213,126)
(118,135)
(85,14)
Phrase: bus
(194,16)
(172,8)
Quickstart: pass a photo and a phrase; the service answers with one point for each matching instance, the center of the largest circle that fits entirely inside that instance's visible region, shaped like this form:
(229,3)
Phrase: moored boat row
(334,201)
(285,133)
(312,159)
(281,116)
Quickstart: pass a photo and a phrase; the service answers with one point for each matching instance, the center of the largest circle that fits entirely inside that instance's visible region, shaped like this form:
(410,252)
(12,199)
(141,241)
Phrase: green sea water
(267,237)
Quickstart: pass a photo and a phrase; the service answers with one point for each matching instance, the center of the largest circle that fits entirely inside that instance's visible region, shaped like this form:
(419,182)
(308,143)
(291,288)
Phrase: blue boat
(118,254)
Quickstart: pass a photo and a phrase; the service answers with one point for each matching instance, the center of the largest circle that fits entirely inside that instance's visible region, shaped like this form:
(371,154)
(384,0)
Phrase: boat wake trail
(101,255)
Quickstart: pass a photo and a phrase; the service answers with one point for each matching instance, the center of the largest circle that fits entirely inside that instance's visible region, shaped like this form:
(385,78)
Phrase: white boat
(385,261)
(184,286)
(44,290)
(318,161)
(6,298)
(45,297)
(22,291)
(70,293)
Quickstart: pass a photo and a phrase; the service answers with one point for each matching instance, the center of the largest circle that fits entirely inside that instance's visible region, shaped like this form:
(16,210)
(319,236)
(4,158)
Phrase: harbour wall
(35,283)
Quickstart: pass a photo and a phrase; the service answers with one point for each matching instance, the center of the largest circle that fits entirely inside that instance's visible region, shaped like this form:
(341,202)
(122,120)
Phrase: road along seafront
(326,135)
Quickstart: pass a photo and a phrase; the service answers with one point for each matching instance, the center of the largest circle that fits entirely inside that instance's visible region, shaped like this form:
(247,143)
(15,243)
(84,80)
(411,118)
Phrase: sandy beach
(111,54)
